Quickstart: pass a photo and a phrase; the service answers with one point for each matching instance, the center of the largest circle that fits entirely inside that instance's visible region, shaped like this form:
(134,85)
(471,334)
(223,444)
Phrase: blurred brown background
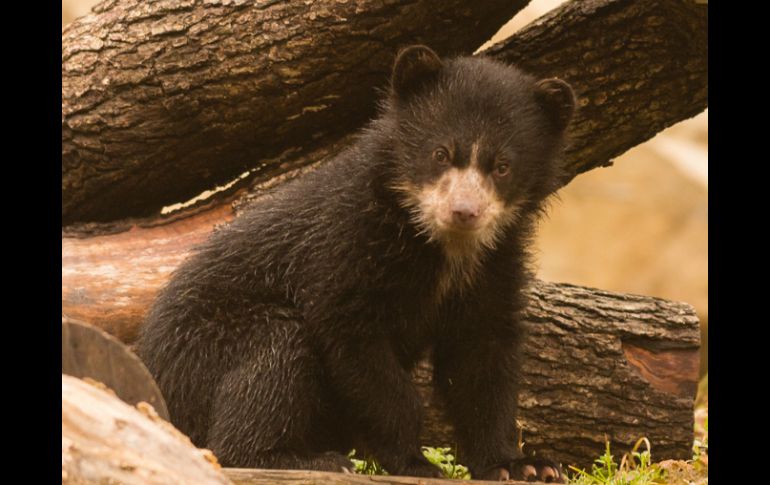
(640,226)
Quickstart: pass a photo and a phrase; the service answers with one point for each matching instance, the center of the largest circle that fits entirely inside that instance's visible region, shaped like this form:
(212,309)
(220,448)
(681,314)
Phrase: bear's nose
(465,215)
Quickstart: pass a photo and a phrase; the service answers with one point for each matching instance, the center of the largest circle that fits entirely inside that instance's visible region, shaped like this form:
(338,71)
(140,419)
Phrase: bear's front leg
(378,397)
(477,373)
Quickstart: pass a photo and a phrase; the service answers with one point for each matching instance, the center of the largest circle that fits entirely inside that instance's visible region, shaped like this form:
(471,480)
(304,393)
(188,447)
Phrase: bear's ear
(557,99)
(415,68)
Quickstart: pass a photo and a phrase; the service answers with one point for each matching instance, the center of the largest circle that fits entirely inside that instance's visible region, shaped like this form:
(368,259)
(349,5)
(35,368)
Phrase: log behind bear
(289,336)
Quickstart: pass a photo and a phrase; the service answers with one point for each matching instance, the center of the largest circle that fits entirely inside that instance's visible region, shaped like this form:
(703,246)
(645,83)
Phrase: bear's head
(476,143)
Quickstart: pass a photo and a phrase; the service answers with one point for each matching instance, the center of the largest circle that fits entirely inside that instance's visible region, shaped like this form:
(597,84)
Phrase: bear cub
(288,338)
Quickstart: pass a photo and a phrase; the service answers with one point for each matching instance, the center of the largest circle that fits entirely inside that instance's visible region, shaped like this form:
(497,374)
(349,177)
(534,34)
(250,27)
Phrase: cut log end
(104,440)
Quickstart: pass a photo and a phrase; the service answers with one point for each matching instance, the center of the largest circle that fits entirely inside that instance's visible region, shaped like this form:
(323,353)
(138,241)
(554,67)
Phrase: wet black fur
(288,338)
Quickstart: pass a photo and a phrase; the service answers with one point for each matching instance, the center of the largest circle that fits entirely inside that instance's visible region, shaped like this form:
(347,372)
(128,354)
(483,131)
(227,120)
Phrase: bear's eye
(502,169)
(441,155)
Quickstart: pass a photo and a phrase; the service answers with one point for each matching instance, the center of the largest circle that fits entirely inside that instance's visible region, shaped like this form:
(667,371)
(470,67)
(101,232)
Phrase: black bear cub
(288,338)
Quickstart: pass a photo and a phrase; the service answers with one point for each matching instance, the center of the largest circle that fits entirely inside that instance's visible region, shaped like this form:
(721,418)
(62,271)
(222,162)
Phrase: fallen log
(598,364)
(161,103)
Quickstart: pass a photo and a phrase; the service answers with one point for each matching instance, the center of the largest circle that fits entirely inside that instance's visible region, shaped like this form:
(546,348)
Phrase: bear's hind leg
(271,411)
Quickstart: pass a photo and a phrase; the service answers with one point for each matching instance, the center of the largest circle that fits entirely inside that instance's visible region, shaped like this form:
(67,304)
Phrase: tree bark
(104,440)
(162,100)
(160,103)
(597,363)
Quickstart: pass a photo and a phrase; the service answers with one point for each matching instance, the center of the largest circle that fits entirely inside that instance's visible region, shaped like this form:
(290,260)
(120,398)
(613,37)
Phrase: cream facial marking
(465,199)
(461,209)
(432,209)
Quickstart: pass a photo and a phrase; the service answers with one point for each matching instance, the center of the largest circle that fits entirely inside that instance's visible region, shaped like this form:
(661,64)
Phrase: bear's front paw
(528,469)
(534,469)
